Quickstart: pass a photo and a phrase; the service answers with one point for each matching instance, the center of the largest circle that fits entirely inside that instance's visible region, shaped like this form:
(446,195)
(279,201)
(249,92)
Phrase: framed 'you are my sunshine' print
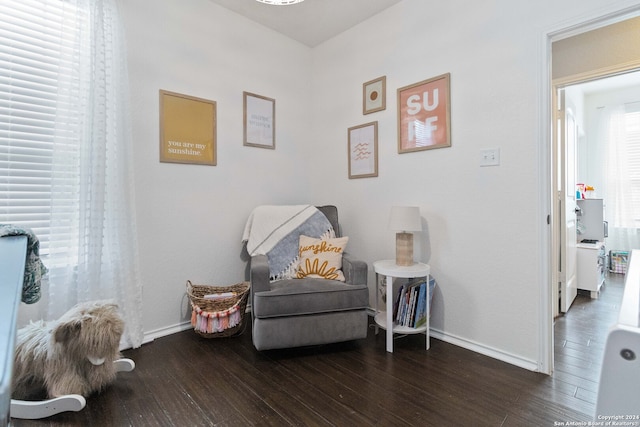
(187,129)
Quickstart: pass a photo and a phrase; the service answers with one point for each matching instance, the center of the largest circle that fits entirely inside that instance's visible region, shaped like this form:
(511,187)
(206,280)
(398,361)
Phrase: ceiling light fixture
(280,2)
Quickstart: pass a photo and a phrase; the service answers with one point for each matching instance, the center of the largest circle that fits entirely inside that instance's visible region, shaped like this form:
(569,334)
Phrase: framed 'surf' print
(424,120)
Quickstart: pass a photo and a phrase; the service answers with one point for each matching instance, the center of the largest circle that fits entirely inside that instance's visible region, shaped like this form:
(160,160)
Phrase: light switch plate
(490,157)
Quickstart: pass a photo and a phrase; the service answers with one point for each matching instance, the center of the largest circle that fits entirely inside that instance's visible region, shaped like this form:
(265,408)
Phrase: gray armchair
(309,311)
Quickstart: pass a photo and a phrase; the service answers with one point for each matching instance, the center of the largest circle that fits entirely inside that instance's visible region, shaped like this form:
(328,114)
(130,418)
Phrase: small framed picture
(259,121)
(424,115)
(374,95)
(363,150)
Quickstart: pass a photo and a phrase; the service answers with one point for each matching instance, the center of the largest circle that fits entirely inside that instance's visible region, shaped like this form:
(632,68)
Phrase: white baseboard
(178,327)
(494,353)
(163,332)
(501,355)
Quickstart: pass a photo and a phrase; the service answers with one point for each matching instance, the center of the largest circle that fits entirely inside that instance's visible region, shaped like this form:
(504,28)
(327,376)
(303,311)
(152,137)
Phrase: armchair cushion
(321,258)
(293,297)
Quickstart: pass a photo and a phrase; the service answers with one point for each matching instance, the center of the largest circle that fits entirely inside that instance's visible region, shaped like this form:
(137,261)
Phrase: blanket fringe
(289,272)
(329,234)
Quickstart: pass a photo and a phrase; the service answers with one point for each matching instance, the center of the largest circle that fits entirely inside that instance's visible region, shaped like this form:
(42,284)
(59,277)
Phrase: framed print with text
(187,129)
(259,121)
(363,150)
(424,120)
(374,95)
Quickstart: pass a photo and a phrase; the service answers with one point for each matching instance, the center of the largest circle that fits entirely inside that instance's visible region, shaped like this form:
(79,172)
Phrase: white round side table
(384,318)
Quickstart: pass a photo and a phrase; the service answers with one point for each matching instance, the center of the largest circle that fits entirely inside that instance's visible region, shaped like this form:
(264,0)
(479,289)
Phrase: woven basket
(218,318)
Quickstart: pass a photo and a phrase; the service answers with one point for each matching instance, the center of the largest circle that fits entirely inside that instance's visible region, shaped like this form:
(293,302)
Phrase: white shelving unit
(384,318)
(591,260)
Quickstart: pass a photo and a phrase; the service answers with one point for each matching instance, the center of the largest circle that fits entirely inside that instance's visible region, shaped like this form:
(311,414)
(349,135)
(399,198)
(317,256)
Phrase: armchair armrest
(355,271)
(259,274)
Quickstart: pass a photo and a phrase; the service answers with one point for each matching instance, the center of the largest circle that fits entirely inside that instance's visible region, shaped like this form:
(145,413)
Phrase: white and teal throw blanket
(275,231)
(34,269)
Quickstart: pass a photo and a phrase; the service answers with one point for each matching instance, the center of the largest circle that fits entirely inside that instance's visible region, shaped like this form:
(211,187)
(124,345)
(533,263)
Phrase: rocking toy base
(34,410)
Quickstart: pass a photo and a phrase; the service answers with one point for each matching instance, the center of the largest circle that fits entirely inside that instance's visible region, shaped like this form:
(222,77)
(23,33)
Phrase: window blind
(632,140)
(38,52)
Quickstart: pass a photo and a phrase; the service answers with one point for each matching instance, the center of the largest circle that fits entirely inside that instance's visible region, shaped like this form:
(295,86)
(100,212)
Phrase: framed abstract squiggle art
(363,150)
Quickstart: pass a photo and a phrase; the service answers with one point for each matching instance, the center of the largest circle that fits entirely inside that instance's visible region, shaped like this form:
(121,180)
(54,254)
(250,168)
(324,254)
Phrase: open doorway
(585,52)
(585,174)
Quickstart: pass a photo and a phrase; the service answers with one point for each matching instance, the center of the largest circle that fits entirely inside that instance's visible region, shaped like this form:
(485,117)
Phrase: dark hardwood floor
(580,339)
(186,380)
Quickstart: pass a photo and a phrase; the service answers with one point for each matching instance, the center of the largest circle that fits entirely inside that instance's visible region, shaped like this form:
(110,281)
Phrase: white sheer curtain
(622,194)
(93,250)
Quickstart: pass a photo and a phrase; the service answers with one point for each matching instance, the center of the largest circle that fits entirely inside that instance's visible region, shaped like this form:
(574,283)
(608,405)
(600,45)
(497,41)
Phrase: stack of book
(410,308)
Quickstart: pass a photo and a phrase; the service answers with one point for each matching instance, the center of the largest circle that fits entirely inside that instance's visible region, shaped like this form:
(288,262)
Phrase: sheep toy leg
(124,365)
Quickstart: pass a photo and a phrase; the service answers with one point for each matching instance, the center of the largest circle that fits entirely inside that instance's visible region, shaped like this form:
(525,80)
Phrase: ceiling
(611,83)
(312,21)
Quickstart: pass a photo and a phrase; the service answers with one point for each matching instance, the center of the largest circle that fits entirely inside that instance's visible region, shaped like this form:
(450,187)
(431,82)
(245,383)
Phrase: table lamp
(405,219)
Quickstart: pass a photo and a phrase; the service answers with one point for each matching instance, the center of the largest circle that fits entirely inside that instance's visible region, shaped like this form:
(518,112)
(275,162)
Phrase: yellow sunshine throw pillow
(321,258)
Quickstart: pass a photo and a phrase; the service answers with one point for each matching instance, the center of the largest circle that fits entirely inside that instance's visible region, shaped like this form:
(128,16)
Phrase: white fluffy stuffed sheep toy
(71,355)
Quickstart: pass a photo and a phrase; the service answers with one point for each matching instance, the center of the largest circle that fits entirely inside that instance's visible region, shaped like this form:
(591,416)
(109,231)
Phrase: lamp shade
(405,218)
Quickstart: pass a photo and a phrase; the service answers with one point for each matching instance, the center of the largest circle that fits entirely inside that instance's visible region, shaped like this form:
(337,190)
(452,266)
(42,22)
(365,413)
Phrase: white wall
(191,217)
(482,232)
(483,237)
(483,225)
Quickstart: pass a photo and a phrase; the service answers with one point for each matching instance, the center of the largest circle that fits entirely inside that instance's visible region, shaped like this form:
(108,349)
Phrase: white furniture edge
(13,251)
(620,374)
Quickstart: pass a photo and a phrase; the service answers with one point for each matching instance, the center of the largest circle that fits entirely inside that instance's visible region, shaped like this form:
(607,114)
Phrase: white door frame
(546,165)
